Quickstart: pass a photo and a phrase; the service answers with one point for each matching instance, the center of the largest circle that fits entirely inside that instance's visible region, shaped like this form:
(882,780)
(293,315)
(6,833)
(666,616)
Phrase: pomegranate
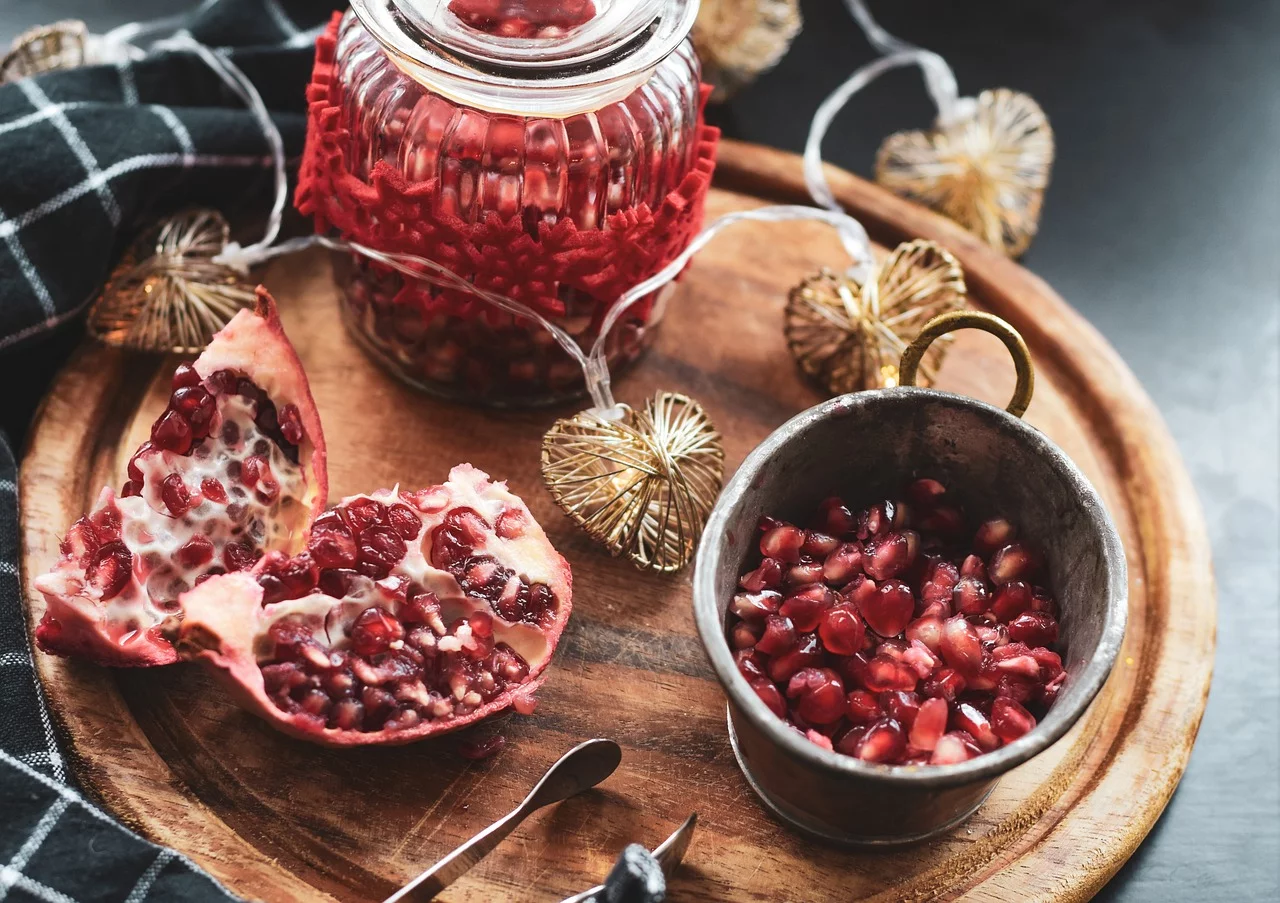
(234,467)
(898,634)
(408,614)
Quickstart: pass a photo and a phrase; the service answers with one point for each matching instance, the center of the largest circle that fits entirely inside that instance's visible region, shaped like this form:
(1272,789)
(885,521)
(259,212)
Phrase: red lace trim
(530,262)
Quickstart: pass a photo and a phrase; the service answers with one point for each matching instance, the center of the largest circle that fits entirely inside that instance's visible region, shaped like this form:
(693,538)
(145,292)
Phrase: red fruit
(1011,600)
(901,706)
(1012,562)
(391,668)
(818,545)
(972,566)
(168,477)
(943,520)
(884,741)
(745,634)
(931,721)
(841,629)
(945,683)
(806,607)
(954,748)
(767,576)
(803,574)
(926,630)
(884,673)
(993,535)
(960,646)
(970,720)
(888,611)
(779,635)
(843,564)
(1035,628)
(920,658)
(939,584)
(818,694)
(770,695)
(1009,721)
(892,555)
(807,653)
(835,518)
(926,492)
(969,596)
(783,542)
(756,606)
(863,707)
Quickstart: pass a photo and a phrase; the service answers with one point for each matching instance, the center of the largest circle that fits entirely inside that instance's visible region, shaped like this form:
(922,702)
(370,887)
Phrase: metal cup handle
(973,319)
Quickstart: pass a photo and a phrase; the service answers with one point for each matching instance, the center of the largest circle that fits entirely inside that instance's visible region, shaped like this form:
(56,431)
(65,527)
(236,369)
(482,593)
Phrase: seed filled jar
(553,152)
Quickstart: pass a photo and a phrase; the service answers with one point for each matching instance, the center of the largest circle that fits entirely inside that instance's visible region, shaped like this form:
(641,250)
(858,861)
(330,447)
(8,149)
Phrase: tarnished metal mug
(867,446)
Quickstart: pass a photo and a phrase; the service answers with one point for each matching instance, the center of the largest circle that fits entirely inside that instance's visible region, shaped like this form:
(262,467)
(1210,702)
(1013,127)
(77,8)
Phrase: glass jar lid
(555,57)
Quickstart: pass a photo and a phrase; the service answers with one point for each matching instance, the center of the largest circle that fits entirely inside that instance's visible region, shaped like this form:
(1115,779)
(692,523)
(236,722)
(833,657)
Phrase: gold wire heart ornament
(987,170)
(168,294)
(62,45)
(848,336)
(737,40)
(641,484)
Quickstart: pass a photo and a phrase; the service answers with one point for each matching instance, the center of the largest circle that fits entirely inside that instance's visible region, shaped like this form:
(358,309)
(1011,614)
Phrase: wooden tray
(279,820)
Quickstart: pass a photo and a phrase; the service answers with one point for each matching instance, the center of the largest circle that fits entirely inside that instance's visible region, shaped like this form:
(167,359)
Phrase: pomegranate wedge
(409,614)
(234,467)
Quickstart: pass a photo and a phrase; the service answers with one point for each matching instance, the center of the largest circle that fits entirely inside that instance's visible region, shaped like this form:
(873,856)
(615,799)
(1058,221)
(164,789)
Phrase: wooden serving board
(277,819)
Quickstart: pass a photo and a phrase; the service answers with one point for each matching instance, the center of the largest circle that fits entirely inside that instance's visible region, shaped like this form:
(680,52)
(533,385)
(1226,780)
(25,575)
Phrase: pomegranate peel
(189,509)
(459,626)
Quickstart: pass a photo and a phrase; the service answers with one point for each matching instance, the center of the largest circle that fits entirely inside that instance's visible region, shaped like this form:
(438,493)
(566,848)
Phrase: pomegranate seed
(884,741)
(954,748)
(1050,663)
(863,707)
(746,634)
(1011,600)
(782,542)
(893,555)
(889,610)
(992,535)
(945,683)
(373,631)
(380,549)
(969,596)
(287,578)
(291,424)
(185,375)
(992,637)
(405,522)
(843,564)
(926,630)
(767,576)
(960,646)
(884,673)
(779,635)
(175,495)
(836,518)
(1035,628)
(968,719)
(930,722)
(111,570)
(943,520)
(750,664)
(818,545)
(819,695)
(806,607)
(847,740)
(81,543)
(196,406)
(239,556)
(818,739)
(901,706)
(875,520)
(213,490)
(195,552)
(1012,562)
(756,606)
(172,433)
(511,524)
(1020,666)
(332,545)
(972,566)
(807,653)
(347,715)
(1052,688)
(926,492)
(940,585)
(841,629)
(771,696)
(1009,721)
(804,574)
(920,658)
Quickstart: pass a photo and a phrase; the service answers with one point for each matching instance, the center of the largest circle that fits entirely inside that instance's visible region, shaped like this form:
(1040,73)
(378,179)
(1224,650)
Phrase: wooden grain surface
(280,820)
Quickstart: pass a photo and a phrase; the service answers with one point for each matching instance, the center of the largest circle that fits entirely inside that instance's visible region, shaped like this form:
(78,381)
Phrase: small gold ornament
(168,294)
(737,40)
(987,170)
(849,337)
(642,484)
(61,45)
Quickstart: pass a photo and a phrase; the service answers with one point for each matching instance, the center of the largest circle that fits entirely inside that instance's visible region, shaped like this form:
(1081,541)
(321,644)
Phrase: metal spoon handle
(452,867)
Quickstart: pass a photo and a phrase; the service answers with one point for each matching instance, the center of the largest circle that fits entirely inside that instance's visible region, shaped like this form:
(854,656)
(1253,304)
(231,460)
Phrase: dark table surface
(1162,226)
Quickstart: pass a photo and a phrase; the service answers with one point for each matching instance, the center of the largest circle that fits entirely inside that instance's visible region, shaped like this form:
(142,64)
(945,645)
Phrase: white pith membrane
(154,536)
(434,668)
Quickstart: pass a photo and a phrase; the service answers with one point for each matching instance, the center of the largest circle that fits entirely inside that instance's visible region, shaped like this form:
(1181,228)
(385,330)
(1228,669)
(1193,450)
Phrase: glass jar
(550,151)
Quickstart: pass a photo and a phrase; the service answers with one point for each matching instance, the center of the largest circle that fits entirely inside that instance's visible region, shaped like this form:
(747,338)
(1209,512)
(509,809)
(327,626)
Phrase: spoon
(669,853)
(581,768)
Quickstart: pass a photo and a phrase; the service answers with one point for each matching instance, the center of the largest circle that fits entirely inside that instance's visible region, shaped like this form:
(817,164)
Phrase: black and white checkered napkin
(88,157)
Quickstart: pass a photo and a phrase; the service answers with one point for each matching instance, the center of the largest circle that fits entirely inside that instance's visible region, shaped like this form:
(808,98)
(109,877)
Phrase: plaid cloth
(92,155)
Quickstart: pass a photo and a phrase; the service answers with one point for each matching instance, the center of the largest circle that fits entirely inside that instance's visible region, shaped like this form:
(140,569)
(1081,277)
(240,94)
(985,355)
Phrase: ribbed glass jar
(528,111)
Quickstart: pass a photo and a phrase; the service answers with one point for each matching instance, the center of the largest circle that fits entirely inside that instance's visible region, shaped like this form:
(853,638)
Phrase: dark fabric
(89,156)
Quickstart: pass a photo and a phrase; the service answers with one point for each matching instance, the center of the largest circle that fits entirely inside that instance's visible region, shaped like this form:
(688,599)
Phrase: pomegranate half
(234,467)
(409,614)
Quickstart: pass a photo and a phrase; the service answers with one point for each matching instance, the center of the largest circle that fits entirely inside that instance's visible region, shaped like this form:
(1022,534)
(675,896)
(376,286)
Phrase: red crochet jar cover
(522,257)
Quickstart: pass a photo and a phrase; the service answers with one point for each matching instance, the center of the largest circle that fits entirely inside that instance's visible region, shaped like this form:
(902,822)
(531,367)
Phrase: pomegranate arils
(110,570)
(196,551)
(888,610)
(172,433)
(876,634)
(374,631)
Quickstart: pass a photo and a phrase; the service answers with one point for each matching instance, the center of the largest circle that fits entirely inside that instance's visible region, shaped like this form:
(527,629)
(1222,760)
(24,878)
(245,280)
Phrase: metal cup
(865,446)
